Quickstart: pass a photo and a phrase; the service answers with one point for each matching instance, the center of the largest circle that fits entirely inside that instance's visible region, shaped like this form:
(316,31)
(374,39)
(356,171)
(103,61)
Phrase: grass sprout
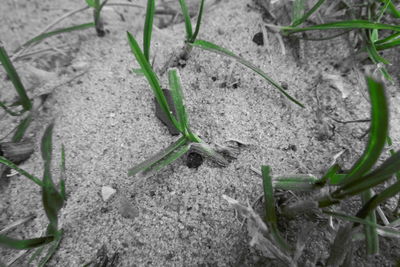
(181,122)
(98,22)
(190,35)
(52,198)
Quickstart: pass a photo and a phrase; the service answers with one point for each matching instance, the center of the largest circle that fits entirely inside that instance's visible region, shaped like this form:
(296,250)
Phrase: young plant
(192,41)
(52,198)
(180,122)
(98,22)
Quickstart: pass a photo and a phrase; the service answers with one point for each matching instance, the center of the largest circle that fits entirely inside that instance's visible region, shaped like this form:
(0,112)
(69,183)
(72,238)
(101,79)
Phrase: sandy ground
(105,118)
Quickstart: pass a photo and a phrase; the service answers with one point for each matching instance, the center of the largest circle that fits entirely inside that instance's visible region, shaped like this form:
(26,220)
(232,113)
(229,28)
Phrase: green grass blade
(148,27)
(392,8)
(387,39)
(270,216)
(371,234)
(186,16)
(43,36)
(378,134)
(206,151)
(350,24)
(52,249)
(388,45)
(389,230)
(329,175)
(389,192)
(11,165)
(24,244)
(90,3)
(14,77)
(52,199)
(378,176)
(198,23)
(21,129)
(157,157)
(222,51)
(153,80)
(177,96)
(376,58)
(297,10)
(302,19)
(295,183)
(9,111)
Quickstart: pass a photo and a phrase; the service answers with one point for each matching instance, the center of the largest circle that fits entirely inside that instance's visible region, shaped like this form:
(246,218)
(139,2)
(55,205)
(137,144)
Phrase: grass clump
(331,189)
(53,198)
(188,139)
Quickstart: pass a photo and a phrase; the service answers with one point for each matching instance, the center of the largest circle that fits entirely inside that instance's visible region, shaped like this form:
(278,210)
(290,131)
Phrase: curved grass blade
(153,80)
(52,199)
(198,23)
(376,58)
(177,96)
(270,216)
(188,23)
(14,77)
(206,151)
(11,165)
(350,24)
(222,51)
(378,134)
(21,129)
(24,244)
(330,174)
(387,39)
(147,164)
(391,151)
(392,8)
(42,36)
(302,19)
(148,27)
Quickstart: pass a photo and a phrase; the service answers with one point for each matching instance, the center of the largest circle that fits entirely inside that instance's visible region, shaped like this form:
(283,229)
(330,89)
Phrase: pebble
(107,192)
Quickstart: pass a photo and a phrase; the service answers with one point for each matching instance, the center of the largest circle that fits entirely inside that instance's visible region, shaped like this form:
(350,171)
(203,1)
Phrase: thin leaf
(378,134)
(186,16)
(198,23)
(329,175)
(153,80)
(177,96)
(376,58)
(21,129)
(340,246)
(388,45)
(354,219)
(55,32)
(24,244)
(14,77)
(270,209)
(206,151)
(296,183)
(392,152)
(157,157)
(222,51)
(148,27)
(11,165)
(388,38)
(52,199)
(350,24)
(302,19)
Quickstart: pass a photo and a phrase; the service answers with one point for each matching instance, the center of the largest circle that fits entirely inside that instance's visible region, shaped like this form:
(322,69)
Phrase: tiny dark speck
(258,38)
(194,160)
(213,78)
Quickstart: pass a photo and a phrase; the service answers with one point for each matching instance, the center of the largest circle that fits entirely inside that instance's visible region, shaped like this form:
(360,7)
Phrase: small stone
(259,38)
(107,192)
